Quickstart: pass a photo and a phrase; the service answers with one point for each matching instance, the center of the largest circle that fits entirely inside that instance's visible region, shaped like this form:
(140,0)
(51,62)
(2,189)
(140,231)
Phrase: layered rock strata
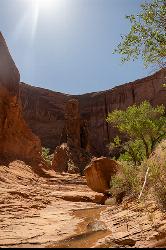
(16,139)
(47,116)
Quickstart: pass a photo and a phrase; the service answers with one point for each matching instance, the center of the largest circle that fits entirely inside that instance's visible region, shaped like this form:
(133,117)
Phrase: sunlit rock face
(72,123)
(16,139)
(44,110)
(99,173)
(72,156)
(9,74)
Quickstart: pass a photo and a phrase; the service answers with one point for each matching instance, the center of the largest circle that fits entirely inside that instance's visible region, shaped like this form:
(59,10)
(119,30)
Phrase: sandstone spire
(72,121)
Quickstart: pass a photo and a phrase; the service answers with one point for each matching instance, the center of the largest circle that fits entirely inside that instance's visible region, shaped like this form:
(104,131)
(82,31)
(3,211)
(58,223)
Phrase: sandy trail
(61,211)
(38,212)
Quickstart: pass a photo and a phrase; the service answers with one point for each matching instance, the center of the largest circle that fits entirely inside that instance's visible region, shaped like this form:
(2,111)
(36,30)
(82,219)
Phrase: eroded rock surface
(137,225)
(16,139)
(70,159)
(71,156)
(35,211)
(60,160)
(73,123)
(99,172)
(61,211)
(44,110)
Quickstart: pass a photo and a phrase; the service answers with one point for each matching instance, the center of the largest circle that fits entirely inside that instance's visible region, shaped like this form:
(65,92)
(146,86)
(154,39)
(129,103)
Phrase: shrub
(131,179)
(157,174)
(157,180)
(47,156)
(143,126)
(126,182)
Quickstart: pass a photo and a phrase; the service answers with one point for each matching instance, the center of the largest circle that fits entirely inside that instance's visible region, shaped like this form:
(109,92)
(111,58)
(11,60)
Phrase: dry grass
(157,174)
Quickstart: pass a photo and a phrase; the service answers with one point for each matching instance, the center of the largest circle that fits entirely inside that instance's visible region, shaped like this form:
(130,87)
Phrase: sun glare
(45,4)
(38,10)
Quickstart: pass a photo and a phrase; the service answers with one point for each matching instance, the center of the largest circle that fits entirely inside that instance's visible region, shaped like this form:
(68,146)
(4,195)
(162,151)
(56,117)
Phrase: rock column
(72,121)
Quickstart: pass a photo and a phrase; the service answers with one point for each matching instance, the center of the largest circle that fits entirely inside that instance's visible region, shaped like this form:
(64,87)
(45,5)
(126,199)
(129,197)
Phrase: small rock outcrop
(64,160)
(60,161)
(98,174)
(17,142)
(70,156)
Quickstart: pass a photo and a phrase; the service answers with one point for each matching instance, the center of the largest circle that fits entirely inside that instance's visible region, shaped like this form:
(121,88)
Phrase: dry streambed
(38,212)
(61,211)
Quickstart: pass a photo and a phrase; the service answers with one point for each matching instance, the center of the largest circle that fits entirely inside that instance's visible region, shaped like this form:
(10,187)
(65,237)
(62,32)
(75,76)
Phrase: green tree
(131,151)
(47,156)
(147,36)
(144,126)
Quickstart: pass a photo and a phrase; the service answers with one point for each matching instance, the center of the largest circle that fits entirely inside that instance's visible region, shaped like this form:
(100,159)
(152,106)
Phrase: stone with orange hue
(72,123)
(61,157)
(16,139)
(44,110)
(99,172)
(71,157)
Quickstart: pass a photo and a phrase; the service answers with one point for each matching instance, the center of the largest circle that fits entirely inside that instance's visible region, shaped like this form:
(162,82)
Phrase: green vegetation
(47,156)
(144,127)
(143,163)
(147,36)
(127,181)
(130,181)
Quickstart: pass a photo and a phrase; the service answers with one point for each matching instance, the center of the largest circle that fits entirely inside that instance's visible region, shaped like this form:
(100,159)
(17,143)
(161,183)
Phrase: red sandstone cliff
(44,110)
(16,139)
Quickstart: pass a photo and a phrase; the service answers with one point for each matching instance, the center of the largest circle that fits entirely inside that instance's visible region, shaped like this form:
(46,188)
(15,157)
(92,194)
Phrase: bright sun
(41,9)
(46,3)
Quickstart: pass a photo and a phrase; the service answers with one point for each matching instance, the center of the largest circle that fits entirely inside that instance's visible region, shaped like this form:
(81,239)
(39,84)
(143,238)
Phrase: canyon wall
(17,142)
(44,110)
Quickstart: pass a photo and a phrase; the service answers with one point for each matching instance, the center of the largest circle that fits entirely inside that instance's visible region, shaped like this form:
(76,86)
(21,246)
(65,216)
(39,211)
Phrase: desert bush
(157,174)
(157,180)
(146,180)
(126,182)
(47,156)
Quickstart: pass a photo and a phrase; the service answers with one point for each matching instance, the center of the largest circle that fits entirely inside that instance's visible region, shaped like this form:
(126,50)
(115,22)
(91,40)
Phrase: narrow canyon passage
(38,212)
(62,212)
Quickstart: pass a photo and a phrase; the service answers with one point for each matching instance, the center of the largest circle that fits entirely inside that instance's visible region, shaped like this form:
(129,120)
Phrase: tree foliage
(144,126)
(147,36)
(47,156)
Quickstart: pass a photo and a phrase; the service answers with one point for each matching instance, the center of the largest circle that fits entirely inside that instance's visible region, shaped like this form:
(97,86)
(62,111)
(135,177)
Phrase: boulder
(97,226)
(98,174)
(17,142)
(60,160)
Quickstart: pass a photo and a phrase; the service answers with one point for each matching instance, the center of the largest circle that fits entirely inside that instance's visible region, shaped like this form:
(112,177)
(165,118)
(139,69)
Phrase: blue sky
(67,45)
